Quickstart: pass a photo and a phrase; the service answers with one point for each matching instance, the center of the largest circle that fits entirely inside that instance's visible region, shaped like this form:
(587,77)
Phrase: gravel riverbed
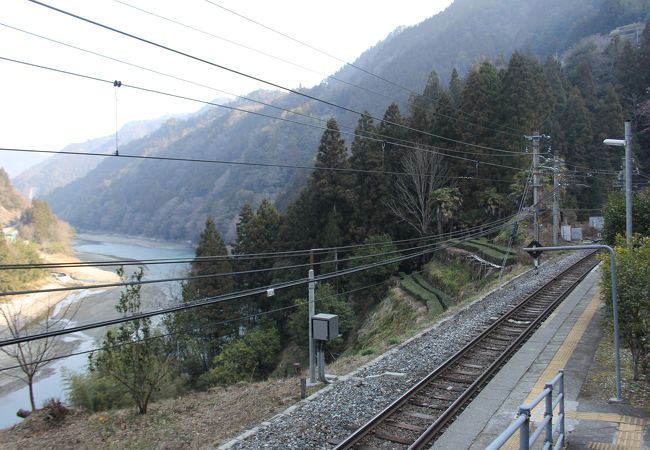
(346,404)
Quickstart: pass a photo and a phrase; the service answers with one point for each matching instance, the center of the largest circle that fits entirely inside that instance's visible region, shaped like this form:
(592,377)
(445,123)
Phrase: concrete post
(628,183)
(536,185)
(556,199)
(312,311)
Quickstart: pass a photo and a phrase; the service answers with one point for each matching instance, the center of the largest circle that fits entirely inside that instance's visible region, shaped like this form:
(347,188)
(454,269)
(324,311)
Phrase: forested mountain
(171,199)
(60,170)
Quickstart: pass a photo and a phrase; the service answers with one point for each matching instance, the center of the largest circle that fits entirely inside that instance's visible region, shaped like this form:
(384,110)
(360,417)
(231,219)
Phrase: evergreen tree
(628,76)
(371,186)
(480,101)
(392,130)
(526,100)
(557,83)
(262,237)
(211,245)
(446,123)
(584,81)
(246,216)
(330,189)
(579,137)
(299,227)
(199,333)
(455,88)
(423,111)
(609,123)
(578,131)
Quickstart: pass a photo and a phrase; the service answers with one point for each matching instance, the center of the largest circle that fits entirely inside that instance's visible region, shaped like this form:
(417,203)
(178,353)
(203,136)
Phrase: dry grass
(196,420)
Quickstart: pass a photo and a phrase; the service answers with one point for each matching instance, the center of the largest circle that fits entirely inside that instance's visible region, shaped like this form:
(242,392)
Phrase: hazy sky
(45,110)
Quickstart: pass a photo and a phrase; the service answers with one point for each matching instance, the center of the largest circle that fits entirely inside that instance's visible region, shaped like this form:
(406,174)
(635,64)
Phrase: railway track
(419,415)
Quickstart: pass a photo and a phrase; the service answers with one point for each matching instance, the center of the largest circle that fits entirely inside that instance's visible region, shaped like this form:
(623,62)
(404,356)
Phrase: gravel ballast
(346,404)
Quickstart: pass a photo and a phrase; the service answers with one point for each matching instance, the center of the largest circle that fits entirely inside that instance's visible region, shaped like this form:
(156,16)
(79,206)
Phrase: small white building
(597,222)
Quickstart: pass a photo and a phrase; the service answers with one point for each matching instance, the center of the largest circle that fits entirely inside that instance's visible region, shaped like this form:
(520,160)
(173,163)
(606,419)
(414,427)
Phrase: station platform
(567,340)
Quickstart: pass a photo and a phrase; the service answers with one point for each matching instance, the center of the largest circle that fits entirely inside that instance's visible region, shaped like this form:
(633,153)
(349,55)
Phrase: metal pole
(612,259)
(549,413)
(556,198)
(561,411)
(312,311)
(524,431)
(536,185)
(628,182)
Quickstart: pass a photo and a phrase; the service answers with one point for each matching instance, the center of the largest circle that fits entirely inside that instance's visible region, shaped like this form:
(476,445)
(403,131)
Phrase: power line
(195,277)
(331,77)
(195,328)
(438,241)
(252,77)
(270,105)
(161,73)
(252,49)
(257,113)
(367,72)
(241,257)
(225,297)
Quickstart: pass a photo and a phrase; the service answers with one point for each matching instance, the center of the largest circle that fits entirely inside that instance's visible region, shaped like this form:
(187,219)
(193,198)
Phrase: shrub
(55,411)
(252,357)
(327,301)
(94,392)
(614,212)
(633,281)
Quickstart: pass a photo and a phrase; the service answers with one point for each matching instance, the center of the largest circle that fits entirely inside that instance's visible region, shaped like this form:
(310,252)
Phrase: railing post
(561,411)
(549,413)
(524,431)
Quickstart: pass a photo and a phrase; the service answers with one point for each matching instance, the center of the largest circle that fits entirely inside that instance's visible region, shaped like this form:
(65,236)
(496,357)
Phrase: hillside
(60,170)
(11,202)
(29,231)
(171,200)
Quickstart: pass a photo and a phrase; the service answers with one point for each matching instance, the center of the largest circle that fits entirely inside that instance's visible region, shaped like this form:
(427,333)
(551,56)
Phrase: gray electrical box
(325,326)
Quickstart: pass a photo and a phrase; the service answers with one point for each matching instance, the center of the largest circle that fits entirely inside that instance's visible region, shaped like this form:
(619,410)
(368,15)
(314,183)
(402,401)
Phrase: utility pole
(556,198)
(627,143)
(312,311)
(628,182)
(536,185)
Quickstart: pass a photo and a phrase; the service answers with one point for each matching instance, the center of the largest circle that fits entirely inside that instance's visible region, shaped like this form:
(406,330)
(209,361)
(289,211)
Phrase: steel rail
(445,417)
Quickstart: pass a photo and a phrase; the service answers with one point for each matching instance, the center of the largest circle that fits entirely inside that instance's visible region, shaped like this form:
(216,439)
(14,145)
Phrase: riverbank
(86,306)
(33,307)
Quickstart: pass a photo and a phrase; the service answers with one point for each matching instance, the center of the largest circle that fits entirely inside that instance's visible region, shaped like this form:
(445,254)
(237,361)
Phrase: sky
(45,110)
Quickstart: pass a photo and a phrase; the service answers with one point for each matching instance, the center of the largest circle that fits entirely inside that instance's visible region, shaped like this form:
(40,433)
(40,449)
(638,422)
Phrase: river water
(98,305)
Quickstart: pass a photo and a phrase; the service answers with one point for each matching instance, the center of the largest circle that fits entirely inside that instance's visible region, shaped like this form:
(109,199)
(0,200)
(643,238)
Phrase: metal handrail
(522,422)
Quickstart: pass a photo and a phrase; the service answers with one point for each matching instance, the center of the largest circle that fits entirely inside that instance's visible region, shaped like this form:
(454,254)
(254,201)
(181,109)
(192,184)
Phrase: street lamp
(627,143)
(612,258)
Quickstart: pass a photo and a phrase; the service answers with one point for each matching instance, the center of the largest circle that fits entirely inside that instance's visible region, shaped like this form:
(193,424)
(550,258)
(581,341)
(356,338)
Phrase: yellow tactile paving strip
(629,435)
(629,432)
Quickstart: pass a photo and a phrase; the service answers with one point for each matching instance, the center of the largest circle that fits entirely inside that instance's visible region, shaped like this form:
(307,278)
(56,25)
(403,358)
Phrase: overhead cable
(252,77)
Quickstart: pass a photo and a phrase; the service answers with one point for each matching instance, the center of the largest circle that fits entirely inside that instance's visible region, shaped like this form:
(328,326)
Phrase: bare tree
(32,356)
(412,199)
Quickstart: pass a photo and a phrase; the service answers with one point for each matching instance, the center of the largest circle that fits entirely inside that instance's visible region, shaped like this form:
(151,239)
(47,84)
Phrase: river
(93,305)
